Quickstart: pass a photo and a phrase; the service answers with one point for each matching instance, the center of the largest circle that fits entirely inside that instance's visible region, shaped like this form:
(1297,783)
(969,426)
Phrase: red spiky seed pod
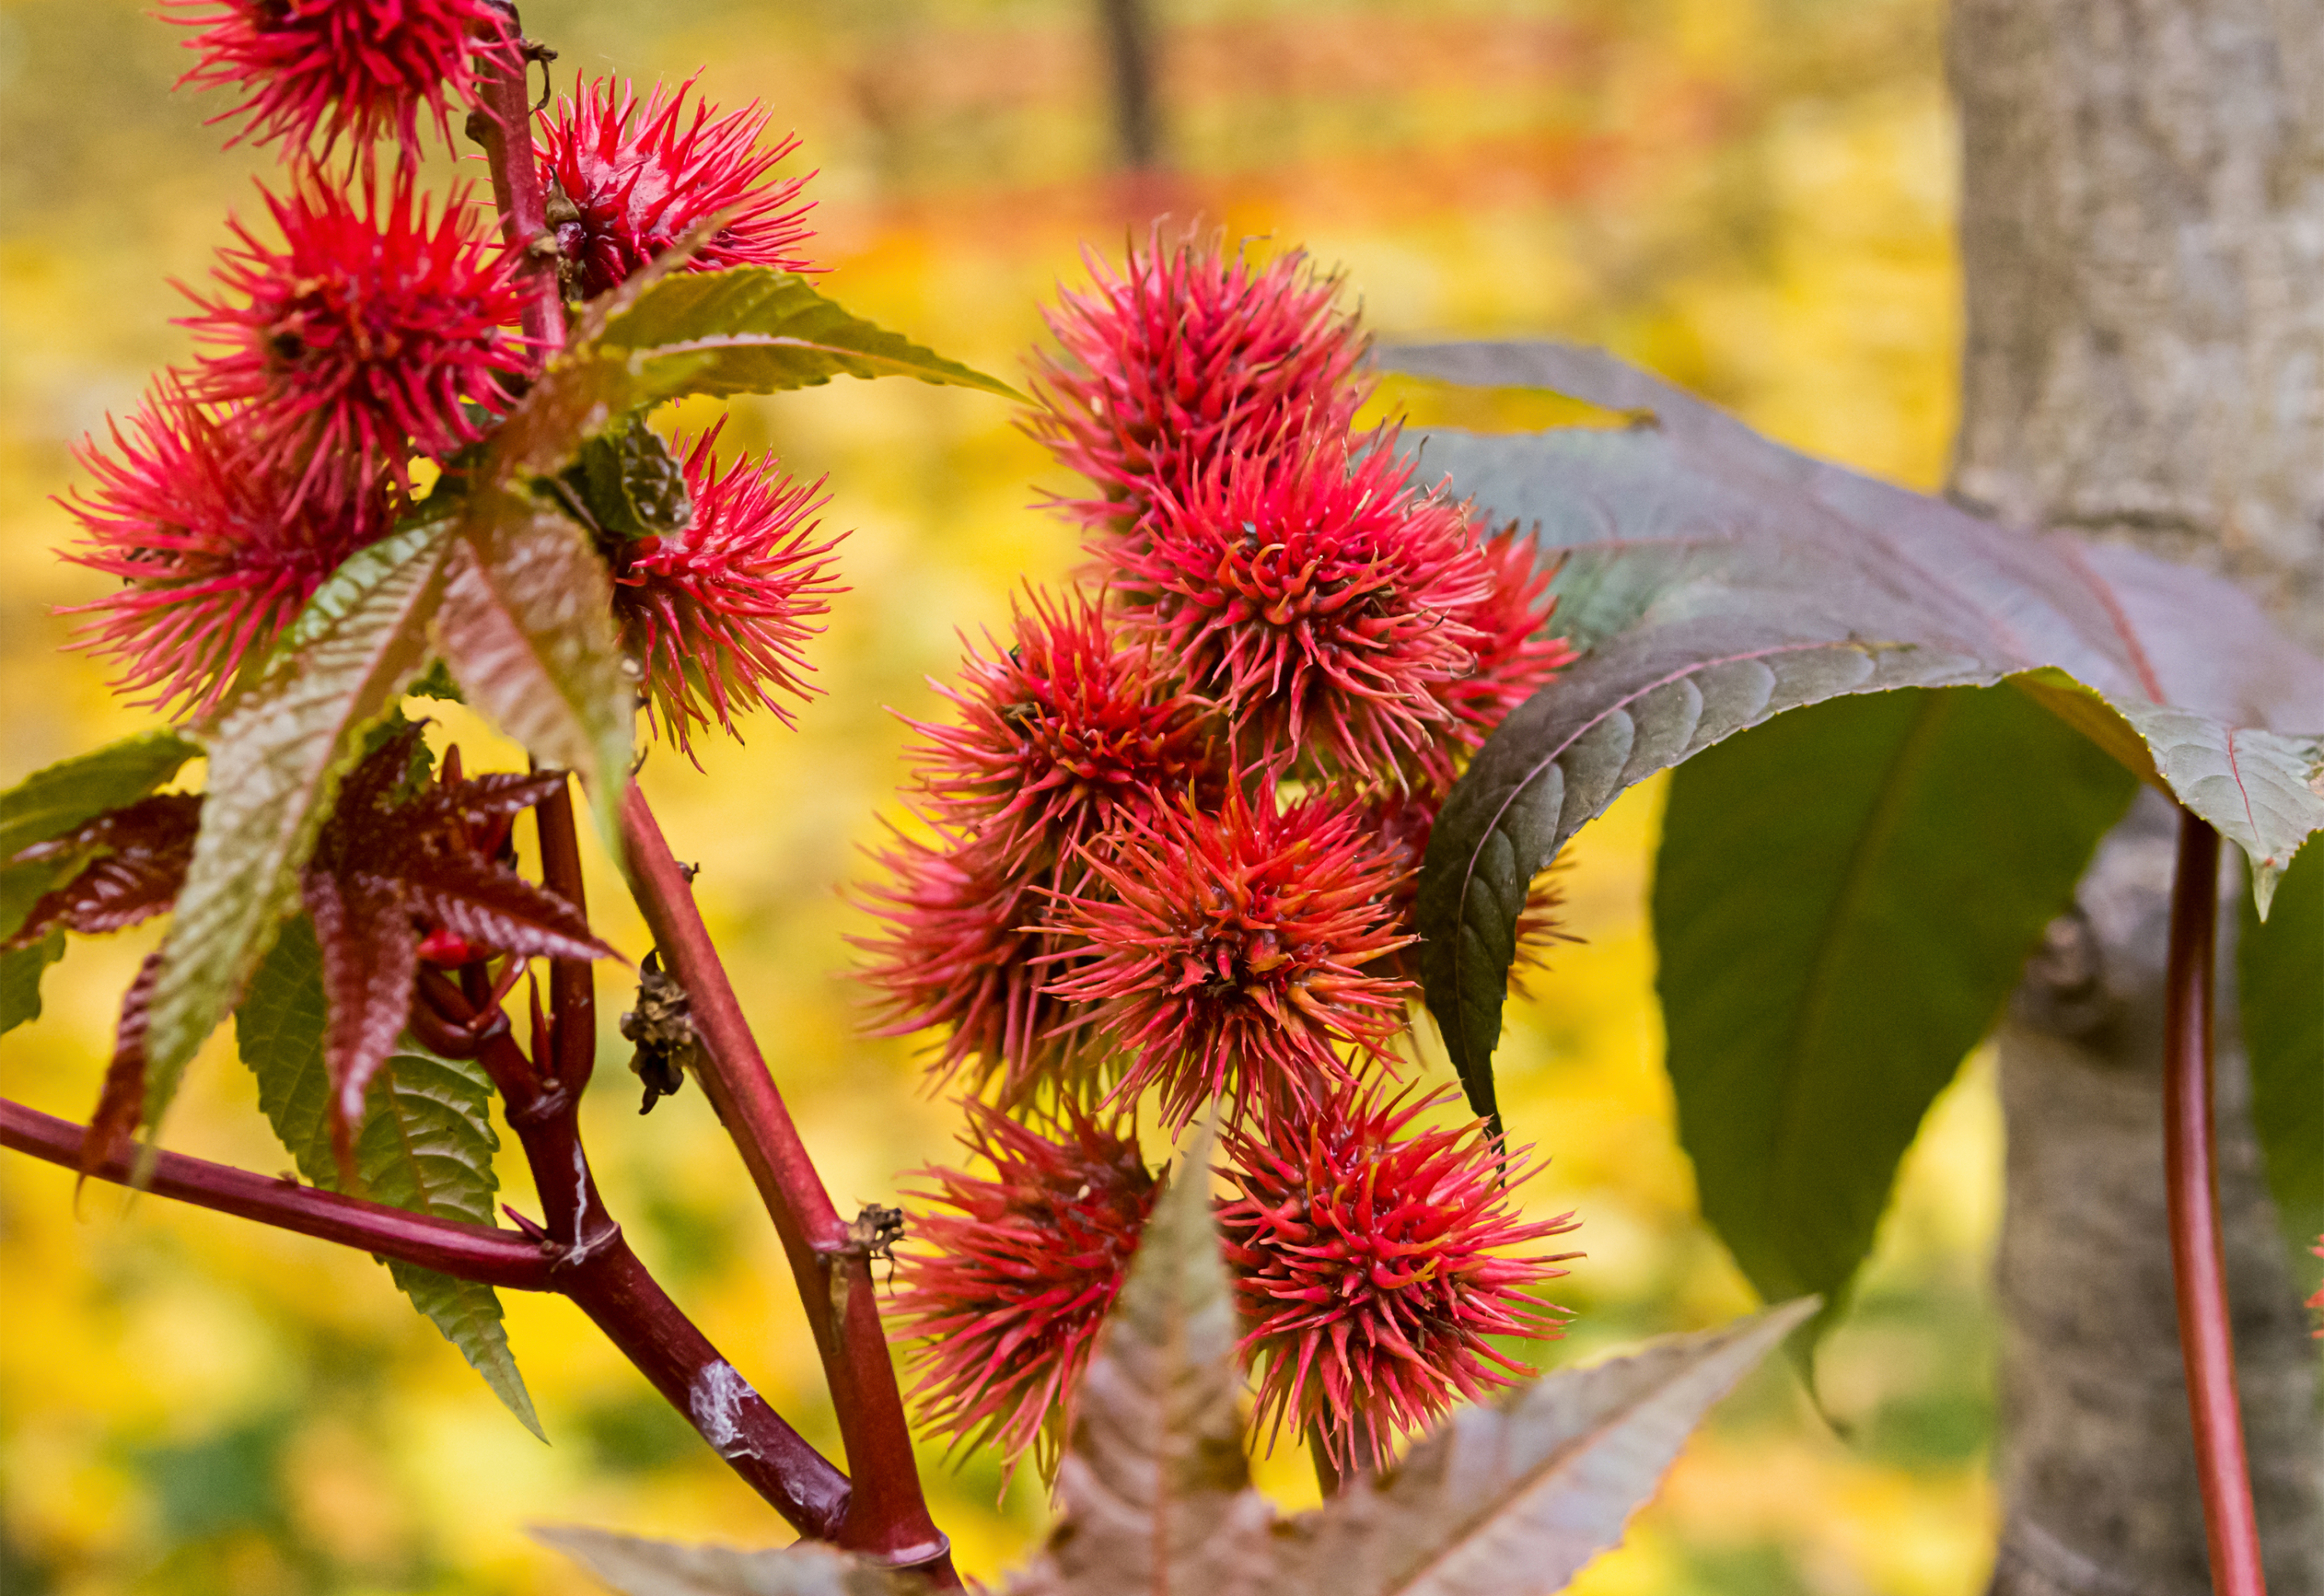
(1371,1258)
(363,68)
(214,547)
(717,613)
(364,335)
(1014,1273)
(1316,599)
(1187,358)
(635,178)
(961,951)
(1058,734)
(1514,656)
(1229,952)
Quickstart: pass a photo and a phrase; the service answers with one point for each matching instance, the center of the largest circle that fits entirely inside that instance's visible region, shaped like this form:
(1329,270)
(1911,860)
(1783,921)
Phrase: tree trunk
(2143,243)
(1130,54)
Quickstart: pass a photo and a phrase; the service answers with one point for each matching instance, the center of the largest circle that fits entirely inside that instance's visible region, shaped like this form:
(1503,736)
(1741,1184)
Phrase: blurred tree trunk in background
(1130,49)
(2142,242)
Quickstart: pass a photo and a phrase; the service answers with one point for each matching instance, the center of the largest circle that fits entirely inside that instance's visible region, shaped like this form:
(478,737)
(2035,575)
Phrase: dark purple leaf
(1719,579)
(370,960)
(122,1099)
(499,909)
(136,862)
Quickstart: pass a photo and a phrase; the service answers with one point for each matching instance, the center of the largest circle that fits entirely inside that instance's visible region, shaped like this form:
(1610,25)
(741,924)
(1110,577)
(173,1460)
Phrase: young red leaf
(370,960)
(122,1099)
(491,907)
(391,870)
(140,857)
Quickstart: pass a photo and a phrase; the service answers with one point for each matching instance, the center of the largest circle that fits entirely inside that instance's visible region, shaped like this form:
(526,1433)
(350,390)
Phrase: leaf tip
(2265,874)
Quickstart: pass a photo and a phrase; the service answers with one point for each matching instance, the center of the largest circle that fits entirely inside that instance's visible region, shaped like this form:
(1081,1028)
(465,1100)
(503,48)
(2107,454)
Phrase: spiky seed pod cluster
(635,176)
(1373,1257)
(1168,840)
(1067,733)
(382,329)
(213,546)
(1232,953)
(366,336)
(363,69)
(961,951)
(1318,600)
(1185,358)
(1016,1270)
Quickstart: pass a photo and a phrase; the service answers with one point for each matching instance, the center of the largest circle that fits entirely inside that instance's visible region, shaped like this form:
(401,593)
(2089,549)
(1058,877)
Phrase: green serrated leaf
(638,1567)
(1843,903)
(279,1033)
(277,750)
(1567,753)
(52,801)
(1720,578)
(527,628)
(2281,983)
(426,1145)
(22,885)
(747,330)
(20,980)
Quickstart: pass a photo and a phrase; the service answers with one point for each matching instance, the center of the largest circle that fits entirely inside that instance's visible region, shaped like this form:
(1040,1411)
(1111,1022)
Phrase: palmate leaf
(277,752)
(2282,983)
(1720,579)
(46,804)
(1843,903)
(638,1567)
(745,330)
(426,1142)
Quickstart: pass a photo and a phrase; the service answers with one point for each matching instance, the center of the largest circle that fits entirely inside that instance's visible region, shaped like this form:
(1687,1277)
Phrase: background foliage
(1752,195)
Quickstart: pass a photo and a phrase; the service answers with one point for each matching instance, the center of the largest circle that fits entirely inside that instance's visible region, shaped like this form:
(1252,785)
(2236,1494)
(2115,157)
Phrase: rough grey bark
(2143,243)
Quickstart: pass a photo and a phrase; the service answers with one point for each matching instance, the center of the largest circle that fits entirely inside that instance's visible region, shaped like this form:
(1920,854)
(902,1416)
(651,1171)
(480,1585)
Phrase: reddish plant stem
(885,1515)
(2199,1265)
(572,991)
(595,1267)
(502,123)
(472,1252)
(889,1517)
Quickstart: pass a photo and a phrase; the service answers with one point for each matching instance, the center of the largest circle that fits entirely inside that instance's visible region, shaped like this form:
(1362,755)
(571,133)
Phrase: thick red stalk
(572,990)
(472,1252)
(503,123)
(2198,1265)
(596,1269)
(888,1517)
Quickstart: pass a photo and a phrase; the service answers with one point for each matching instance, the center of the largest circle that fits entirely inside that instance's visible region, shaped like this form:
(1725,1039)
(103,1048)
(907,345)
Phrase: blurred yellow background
(1754,196)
